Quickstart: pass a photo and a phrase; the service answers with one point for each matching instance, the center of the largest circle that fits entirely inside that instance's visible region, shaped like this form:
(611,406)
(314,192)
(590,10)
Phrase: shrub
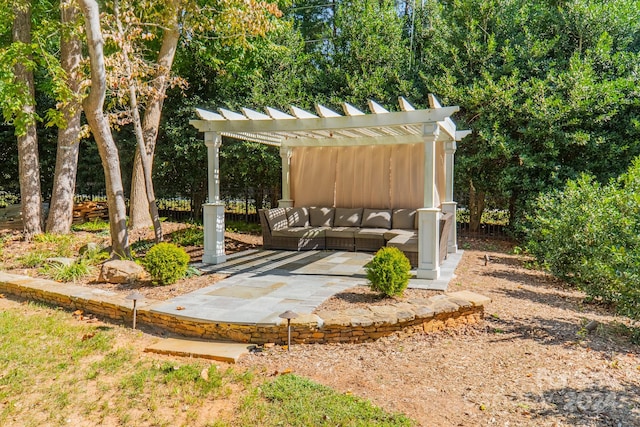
(35,258)
(68,273)
(190,236)
(589,235)
(389,272)
(166,263)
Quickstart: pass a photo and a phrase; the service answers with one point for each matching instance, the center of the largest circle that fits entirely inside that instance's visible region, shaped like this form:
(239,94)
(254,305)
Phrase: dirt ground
(530,363)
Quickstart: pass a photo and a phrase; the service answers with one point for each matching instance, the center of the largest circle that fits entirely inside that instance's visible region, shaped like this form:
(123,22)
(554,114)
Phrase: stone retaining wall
(353,325)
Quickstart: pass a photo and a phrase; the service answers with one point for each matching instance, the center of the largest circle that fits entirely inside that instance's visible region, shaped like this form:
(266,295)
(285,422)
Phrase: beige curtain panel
(374,176)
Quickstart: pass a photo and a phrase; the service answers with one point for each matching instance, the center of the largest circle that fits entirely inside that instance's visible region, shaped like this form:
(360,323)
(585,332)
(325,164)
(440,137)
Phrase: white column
(429,215)
(285,155)
(449,206)
(213,211)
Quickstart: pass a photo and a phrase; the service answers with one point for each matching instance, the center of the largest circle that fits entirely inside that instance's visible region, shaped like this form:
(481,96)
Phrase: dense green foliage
(166,263)
(389,272)
(589,235)
(548,87)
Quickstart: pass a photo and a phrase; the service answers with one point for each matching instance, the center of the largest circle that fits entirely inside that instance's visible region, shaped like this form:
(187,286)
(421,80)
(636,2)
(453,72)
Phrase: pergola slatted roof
(329,128)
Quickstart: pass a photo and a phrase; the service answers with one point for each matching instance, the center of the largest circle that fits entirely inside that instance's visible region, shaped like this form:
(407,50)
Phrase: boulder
(120,271)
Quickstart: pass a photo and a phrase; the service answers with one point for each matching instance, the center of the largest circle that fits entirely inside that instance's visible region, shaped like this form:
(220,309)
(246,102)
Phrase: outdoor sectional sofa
(347,229)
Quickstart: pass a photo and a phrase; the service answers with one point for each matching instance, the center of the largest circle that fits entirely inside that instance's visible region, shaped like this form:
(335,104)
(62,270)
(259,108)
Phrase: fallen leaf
(179,307)
(286,371)
(78,313)
(88,336)
(2,296)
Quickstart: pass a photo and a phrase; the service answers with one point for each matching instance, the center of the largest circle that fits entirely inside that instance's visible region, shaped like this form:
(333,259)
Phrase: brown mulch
(234,242)
(530,363)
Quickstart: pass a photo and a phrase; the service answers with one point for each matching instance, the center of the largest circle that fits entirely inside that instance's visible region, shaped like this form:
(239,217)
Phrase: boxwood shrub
(166,263)
(389,272)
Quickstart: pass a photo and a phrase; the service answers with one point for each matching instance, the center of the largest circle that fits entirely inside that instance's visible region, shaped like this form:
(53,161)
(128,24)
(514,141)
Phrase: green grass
(35,258)
(243,227)
(295,401)
(68,273)
(95,226)
(190,236)
(57,370)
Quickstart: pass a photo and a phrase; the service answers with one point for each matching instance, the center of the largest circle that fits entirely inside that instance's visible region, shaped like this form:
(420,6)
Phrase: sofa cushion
(371,233)
(321,217)
(277,218)
(298,217)
(390,234)
(404,219)
(346,232)
(404,242)
(347,217)
(376,218)
(306,232)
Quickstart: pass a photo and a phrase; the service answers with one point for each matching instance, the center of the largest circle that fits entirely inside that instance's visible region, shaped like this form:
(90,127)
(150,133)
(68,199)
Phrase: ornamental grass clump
(389,272)
(166,263)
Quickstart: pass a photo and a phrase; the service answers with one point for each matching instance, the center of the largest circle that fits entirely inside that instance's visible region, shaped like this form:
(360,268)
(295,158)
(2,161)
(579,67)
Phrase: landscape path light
(288,315)
(135,296)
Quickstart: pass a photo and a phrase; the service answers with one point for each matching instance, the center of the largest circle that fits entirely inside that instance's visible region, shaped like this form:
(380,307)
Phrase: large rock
(120,271)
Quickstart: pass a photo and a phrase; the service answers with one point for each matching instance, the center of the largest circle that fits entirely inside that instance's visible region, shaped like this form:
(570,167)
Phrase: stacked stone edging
(346,326)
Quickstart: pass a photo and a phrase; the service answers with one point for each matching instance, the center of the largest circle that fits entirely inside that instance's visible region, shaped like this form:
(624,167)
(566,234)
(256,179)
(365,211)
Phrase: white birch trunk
(138,213)
(93,108)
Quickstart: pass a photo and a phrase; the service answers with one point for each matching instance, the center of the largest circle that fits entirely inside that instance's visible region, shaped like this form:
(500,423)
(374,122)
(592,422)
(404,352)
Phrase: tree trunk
(144,158)
(64,181)
(138,215)
(28,163)
(476,207)
(93,107)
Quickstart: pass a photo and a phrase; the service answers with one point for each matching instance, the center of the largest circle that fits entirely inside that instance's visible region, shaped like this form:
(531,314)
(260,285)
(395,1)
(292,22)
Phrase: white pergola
(327,128)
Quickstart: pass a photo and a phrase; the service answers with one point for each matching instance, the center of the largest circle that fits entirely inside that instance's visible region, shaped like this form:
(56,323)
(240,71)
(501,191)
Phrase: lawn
(57,368)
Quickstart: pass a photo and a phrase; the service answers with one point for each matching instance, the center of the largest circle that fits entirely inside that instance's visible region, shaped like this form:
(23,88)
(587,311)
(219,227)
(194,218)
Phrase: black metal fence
(180,209)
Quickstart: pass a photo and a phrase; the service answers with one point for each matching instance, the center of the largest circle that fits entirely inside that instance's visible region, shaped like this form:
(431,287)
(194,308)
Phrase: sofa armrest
(266,230)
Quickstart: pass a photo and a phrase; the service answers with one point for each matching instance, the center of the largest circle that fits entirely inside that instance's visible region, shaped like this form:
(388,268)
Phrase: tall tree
(234,22)
(64,181)
(141,151)
(93,107)
(28,166)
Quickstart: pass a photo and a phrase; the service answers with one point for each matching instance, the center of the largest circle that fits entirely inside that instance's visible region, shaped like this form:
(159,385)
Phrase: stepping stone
(222,351)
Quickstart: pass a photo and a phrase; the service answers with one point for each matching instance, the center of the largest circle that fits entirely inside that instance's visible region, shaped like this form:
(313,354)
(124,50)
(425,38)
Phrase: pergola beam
(399,118)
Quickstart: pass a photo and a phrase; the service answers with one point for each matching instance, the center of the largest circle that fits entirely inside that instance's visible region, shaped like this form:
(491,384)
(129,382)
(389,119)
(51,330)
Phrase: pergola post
(213,211)
(285,155)
(449,206)
(429,215)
